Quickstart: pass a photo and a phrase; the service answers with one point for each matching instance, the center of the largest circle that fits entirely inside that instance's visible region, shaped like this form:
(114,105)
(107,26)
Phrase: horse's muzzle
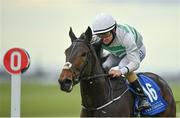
(66,85)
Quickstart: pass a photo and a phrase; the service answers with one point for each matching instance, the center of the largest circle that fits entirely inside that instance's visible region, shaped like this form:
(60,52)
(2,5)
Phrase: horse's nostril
(66,84)
(67,81)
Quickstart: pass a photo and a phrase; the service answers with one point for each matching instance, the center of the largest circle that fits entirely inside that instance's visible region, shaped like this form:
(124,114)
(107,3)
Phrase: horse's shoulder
(118,83)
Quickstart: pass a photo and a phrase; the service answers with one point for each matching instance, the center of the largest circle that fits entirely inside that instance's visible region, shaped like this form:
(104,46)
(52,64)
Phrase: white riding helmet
(103,23)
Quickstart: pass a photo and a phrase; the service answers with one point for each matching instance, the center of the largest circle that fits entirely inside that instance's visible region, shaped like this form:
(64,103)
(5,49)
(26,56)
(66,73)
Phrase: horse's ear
(72,35)
(88,34)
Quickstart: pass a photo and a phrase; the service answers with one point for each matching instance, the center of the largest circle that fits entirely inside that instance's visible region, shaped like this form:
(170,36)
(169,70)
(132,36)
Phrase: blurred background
(41,27)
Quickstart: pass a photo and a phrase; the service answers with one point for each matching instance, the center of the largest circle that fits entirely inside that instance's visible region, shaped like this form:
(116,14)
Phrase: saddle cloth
(152,90)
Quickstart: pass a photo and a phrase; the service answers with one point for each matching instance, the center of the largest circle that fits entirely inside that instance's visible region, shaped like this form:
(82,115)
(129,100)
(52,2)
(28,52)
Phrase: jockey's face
(106,37)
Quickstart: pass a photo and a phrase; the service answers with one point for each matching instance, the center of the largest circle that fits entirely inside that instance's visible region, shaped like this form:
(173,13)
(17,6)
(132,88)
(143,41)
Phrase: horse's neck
(95,92)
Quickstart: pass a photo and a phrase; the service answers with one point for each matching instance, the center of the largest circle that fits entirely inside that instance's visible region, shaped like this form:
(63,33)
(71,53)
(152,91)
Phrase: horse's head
(77,60)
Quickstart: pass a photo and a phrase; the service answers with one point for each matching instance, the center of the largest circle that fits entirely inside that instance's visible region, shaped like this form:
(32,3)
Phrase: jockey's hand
(115,72)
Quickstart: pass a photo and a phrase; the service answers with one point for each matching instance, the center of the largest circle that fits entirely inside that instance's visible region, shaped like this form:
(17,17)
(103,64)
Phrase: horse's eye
(83,54)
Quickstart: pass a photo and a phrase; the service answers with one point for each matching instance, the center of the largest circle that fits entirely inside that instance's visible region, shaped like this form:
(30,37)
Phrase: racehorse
(100,95)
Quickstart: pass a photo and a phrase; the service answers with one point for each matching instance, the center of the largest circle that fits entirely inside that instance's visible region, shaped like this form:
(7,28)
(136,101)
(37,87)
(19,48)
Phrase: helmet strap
(113,31)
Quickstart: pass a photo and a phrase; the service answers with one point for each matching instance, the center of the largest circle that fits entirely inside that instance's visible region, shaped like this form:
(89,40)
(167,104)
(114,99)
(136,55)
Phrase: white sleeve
(132,54)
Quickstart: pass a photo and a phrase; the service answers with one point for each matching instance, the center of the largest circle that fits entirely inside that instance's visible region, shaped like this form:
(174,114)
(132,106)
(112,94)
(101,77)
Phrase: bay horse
(100,95)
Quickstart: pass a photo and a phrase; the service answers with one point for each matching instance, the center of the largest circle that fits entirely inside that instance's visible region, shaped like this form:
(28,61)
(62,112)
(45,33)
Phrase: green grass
(42,100)
(47,100)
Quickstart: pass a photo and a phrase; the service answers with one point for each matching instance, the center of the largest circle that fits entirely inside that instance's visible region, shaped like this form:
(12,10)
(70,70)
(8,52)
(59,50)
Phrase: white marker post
(15,95)
(16,61)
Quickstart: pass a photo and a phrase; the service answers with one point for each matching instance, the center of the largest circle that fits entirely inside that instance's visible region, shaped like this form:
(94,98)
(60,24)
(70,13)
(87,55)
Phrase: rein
(95,76)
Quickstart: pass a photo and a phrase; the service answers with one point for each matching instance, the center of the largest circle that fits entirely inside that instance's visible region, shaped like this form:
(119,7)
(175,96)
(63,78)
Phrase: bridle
(79,76)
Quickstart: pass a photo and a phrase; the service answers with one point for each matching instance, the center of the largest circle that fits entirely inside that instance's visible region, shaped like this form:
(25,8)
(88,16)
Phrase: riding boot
(143,100)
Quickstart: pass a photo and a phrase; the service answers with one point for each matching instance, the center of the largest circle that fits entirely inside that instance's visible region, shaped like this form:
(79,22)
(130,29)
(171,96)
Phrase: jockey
(126,49)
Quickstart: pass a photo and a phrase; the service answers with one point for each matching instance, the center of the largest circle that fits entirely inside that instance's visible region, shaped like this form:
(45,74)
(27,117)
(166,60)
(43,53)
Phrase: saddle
(152,90)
